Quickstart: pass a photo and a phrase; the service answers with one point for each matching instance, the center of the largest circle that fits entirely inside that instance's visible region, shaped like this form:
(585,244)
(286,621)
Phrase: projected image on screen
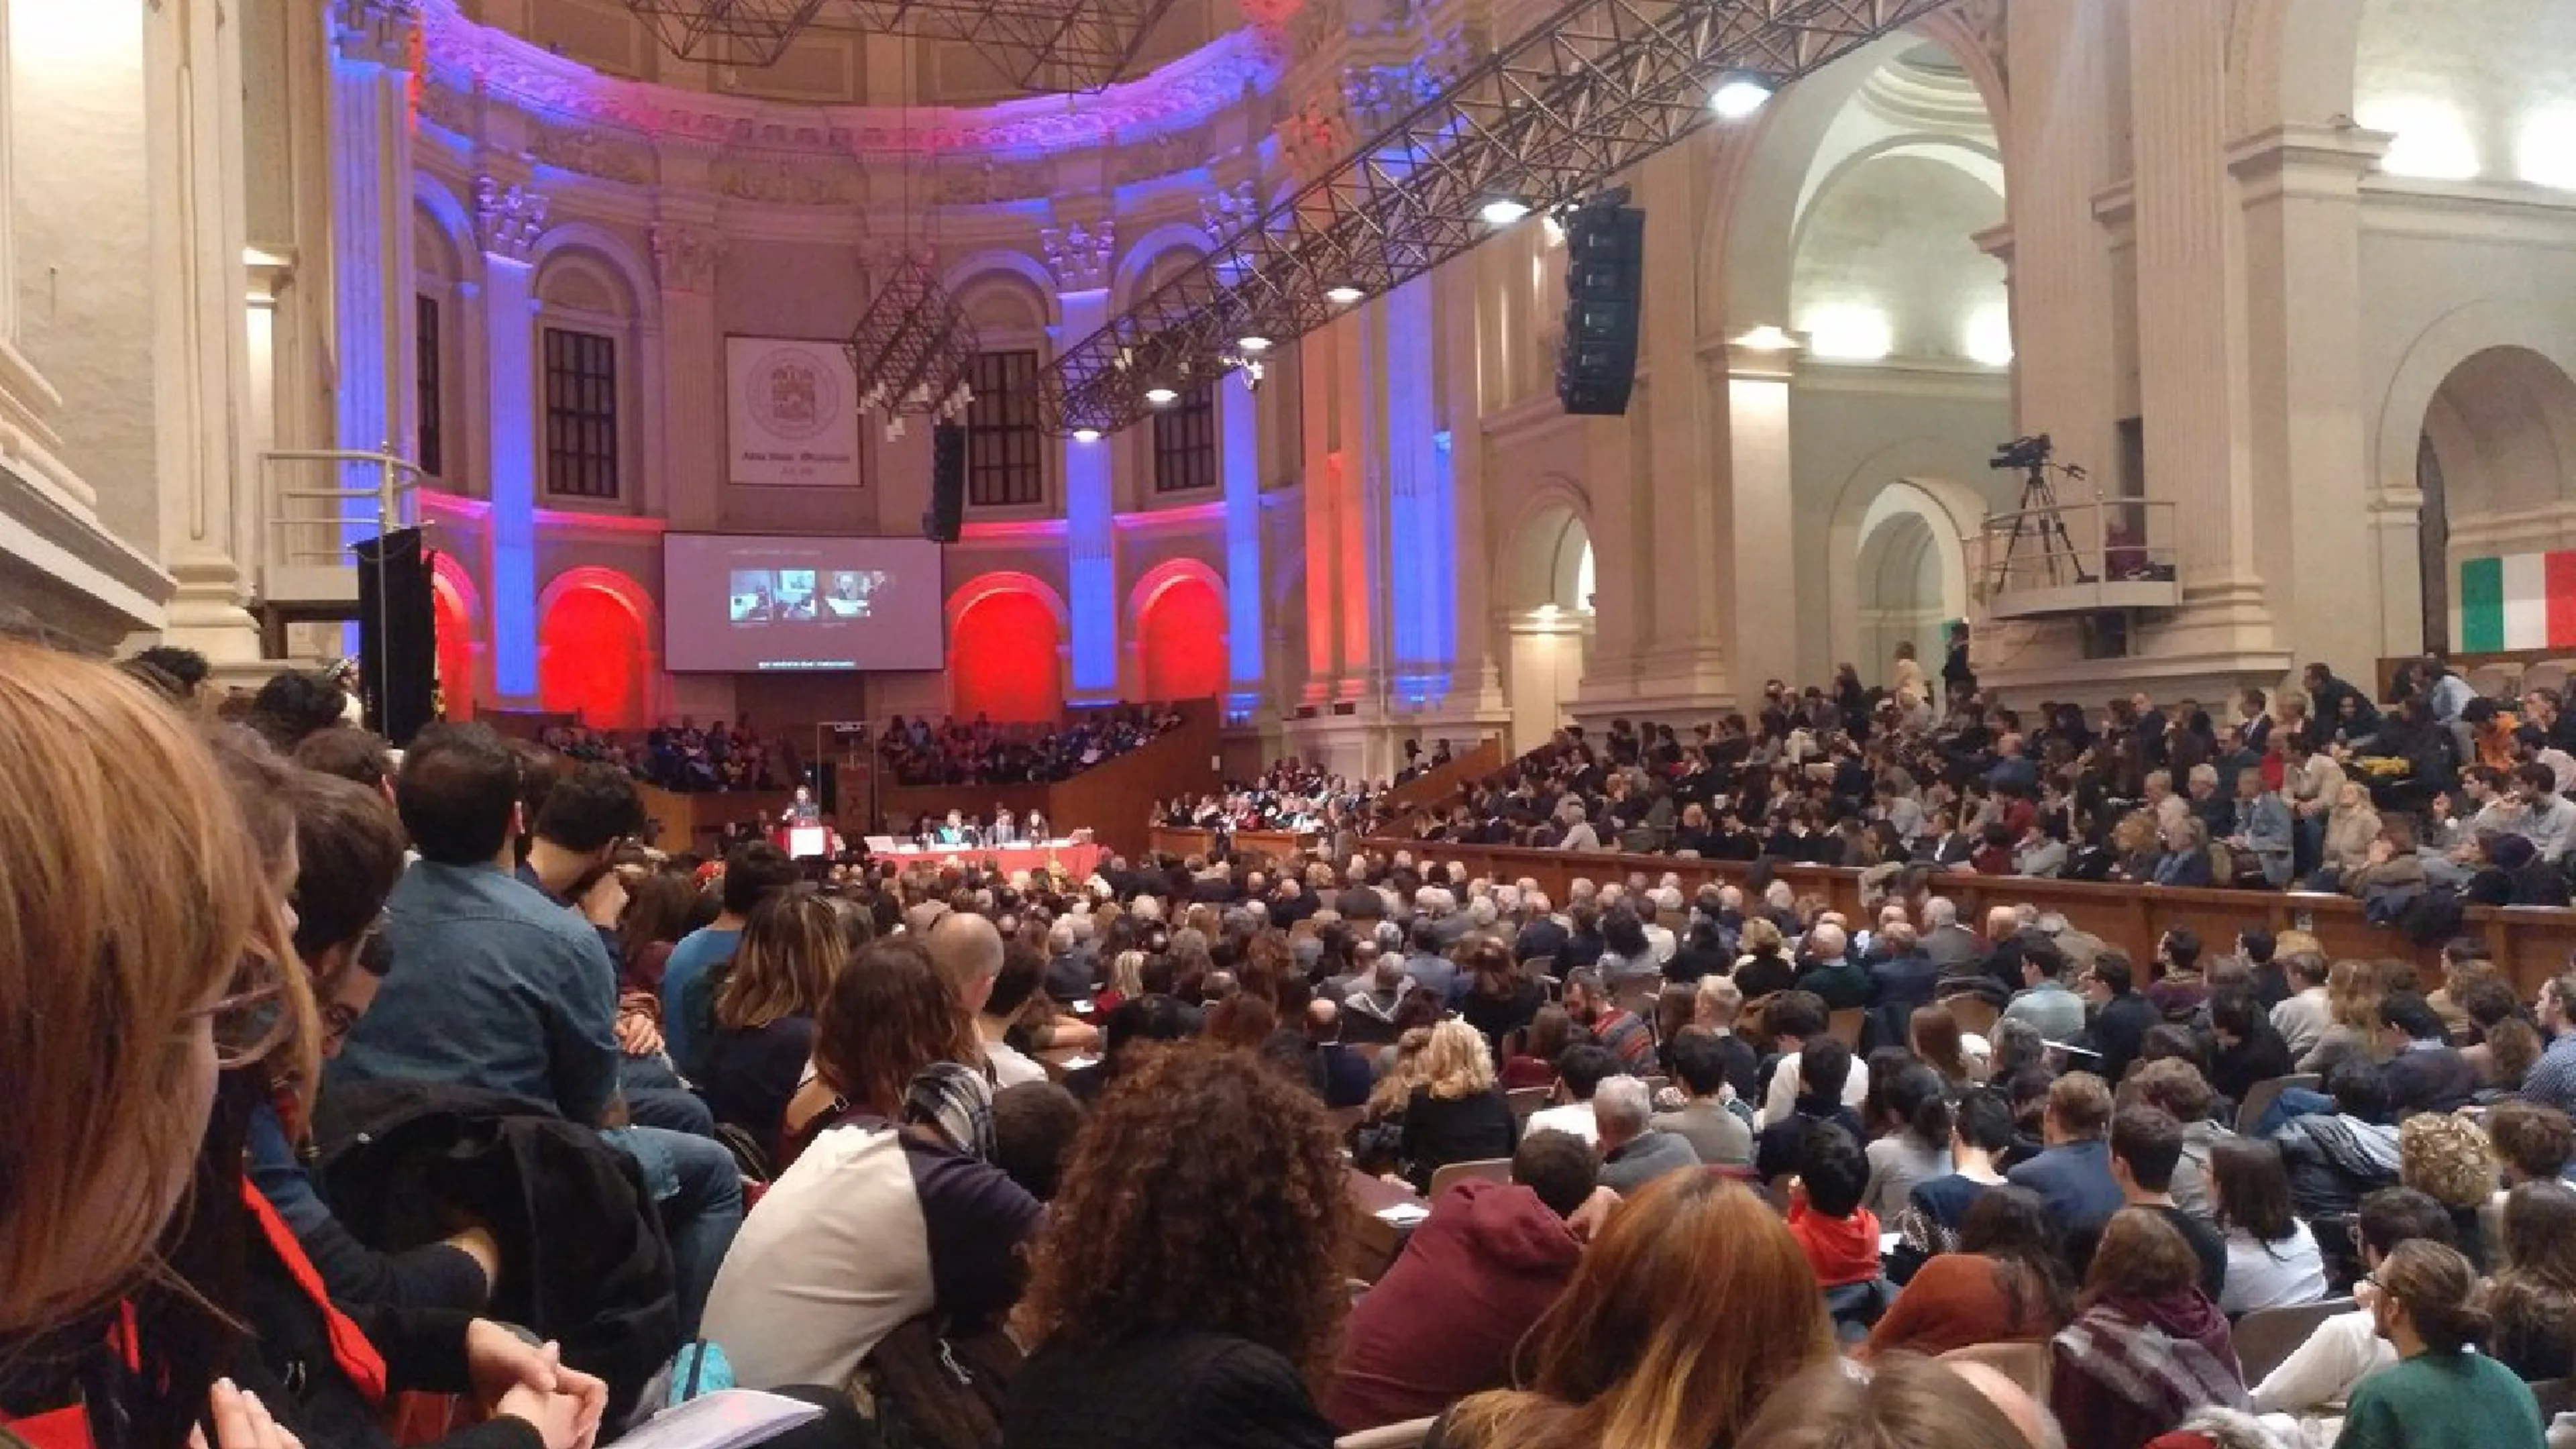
(737,603)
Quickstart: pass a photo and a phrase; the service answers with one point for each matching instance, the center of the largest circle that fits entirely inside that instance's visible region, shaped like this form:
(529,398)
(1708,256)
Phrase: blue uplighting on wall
(1240,450)
(1421,517)
(512,465)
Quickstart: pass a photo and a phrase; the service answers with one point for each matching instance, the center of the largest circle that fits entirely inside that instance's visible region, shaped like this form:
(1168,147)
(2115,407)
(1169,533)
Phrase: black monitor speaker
(947,515)
(1605,268)
(397,634)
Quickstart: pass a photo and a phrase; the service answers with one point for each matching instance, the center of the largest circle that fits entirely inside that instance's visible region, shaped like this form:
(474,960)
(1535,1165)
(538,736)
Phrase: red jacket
(1841,1250)
(1444,1320)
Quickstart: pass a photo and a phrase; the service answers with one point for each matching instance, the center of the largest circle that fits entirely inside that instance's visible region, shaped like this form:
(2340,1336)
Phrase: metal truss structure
(1544,121)
(1042,45)
(912,347)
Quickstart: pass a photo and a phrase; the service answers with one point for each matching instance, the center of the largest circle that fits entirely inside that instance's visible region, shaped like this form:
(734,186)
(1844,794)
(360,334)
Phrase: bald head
(968,952)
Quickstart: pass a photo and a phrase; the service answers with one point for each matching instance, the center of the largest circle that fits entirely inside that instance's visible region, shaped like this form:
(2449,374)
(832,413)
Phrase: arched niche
(1177,617)
(1006,641)
(596,651)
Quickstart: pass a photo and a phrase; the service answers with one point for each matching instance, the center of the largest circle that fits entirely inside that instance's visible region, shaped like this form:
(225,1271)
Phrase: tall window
(581,414)
(1185,441)
(1005,452)
(433,443)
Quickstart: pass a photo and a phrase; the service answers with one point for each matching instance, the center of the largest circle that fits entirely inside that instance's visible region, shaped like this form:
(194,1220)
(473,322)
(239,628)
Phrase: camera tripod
(2038,514)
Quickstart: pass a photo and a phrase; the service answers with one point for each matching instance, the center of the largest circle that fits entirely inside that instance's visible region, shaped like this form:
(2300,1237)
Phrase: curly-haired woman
(876,1223)
(1187,1290)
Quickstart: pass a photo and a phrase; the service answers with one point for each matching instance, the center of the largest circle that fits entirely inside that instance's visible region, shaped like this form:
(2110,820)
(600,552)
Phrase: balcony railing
(321,501)
(2075,558)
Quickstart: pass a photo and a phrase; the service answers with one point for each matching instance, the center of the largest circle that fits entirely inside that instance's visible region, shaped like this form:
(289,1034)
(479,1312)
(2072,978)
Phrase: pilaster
(687,254)
(1079,256)
(371,255)
(201,354)
(509,219)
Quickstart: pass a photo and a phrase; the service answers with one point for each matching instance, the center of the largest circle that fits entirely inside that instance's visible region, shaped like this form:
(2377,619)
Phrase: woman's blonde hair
(1412,1053)
(1127,975)
(791,949)
(1761,935)
(1457,1063)
(132,894)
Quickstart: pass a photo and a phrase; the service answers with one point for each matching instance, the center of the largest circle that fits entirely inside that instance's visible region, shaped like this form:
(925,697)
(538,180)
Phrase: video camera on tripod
(2038,512)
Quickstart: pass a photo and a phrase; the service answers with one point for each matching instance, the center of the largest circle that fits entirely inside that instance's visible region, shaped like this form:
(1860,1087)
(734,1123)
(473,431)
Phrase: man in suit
(1545,935)
(1943,842)
(1904,975)
(2072,1173)
(2121,1017)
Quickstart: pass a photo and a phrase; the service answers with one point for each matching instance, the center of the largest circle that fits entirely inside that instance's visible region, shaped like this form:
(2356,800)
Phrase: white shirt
(1010,1066)
(1574,1117)
(2273,1275)
(1783,1097)
(2343,1351)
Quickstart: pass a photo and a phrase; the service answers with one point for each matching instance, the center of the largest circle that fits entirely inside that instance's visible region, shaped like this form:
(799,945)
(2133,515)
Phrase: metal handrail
(2071,544)
(396,479)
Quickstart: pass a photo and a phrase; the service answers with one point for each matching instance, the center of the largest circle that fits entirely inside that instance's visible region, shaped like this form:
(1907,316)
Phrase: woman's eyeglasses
(251,1019)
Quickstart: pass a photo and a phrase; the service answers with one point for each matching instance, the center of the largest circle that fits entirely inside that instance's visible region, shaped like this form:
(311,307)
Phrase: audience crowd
(980,752)
(358,1078)
(2416,805)
(1289,796)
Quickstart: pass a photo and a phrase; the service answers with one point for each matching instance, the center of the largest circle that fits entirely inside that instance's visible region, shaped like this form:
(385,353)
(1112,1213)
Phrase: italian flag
(2521,601)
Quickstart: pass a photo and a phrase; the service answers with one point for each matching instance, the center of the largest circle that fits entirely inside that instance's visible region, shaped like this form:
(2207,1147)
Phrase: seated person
(1472,1279)
(1714,1132)
(2319,1375)
(2345,1152)
(1634,1152)
(2006,1283)
(1579,1073)
(1823,1067)
(2533,1296)
(875,1224)
(764,1013)
(2072,1173)
(2424,1072)
(1838,1234)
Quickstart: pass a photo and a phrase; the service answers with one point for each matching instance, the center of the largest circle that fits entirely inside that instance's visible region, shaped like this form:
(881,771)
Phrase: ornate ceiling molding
(478,61)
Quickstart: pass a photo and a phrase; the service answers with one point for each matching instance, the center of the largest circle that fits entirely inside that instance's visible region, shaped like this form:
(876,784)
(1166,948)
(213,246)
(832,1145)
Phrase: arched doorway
(1181,638)
(2497,468)
(454,629)
(1900,593)
(1548,612)
(593,652)
(1005,652)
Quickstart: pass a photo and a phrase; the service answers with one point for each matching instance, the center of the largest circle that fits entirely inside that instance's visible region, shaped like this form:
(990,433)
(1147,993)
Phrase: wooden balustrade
(2530,944)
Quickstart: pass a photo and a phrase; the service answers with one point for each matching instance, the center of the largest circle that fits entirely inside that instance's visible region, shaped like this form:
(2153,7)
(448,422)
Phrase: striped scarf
(2163,1376)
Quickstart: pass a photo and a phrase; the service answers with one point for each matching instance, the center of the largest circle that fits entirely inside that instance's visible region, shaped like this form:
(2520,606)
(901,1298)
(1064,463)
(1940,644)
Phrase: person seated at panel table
(953,831)
(1005,831)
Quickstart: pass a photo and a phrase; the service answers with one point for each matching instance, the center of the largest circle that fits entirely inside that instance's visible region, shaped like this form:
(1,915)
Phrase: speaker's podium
(397,633)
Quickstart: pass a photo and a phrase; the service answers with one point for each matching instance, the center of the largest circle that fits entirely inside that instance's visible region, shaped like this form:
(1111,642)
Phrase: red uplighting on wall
(455,632)
(1004,659)
(589,648)
(1181,642)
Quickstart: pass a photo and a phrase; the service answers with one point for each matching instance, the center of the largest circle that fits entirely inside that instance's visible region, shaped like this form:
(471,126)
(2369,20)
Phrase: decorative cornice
(1080,255)
(376,31)
(507,219)
(465,56)
(1225,210)
(685,258)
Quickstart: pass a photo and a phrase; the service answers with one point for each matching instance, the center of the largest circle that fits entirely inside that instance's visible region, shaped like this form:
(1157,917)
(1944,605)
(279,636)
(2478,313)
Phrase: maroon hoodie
(1444,1320)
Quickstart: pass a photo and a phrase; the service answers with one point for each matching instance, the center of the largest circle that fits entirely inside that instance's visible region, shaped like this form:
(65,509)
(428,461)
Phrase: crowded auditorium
(1057,724)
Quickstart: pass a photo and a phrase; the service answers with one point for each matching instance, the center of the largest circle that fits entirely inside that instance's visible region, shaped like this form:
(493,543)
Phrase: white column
(2301,188)
(371,261)
(201,356)
(2192,372)
(1761,516)
(509,220)
(2062,275)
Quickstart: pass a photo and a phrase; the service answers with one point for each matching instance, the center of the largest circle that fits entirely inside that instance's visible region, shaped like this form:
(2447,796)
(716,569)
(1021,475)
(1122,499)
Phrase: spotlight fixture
(1086,435)
(1161,397)
(1343,296)
(1739,95)
(1504,210)
(1253,346)
(1767,338)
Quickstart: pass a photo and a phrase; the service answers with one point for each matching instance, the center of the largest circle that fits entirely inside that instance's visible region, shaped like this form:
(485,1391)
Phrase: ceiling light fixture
(1161,397)
(1504,210)
(1343,296)
(1086,435)
(1253,345)
(1739,96)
